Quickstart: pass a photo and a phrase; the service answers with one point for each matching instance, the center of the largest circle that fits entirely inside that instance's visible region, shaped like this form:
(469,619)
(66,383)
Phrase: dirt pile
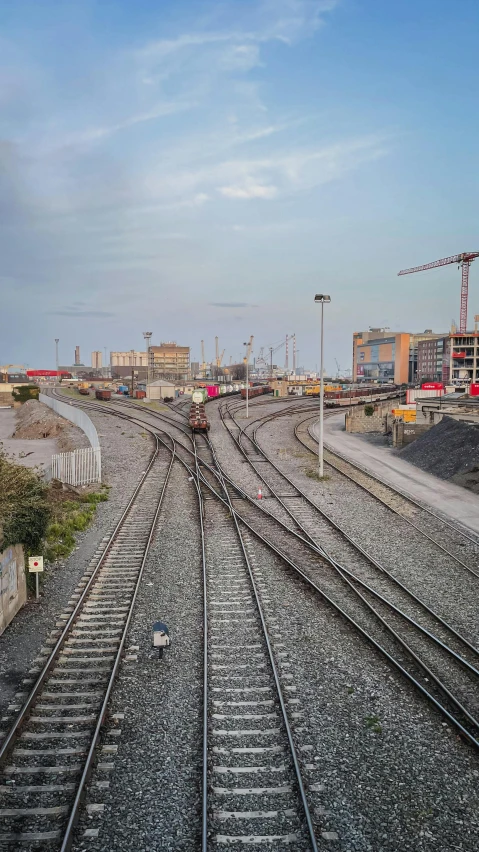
(35,420)
(449,450)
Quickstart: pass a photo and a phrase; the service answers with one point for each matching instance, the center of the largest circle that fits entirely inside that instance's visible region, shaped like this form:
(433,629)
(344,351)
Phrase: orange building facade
(380,355)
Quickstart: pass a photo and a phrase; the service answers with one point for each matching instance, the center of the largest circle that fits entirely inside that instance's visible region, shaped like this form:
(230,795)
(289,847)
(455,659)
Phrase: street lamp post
(322,299)
(246,362)
(57,341)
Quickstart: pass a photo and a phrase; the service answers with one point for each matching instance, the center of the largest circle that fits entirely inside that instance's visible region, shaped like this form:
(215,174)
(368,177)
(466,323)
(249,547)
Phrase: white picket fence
(81,467)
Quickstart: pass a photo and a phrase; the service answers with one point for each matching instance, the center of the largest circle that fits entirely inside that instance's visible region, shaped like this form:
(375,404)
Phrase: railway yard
(320,691)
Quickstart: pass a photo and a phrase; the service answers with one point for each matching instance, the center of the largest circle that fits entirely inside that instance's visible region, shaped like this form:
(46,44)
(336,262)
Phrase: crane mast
(463,260)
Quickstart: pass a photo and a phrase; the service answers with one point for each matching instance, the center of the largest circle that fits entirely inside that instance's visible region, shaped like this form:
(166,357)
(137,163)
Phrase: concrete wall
(406,433)
(13,584)
(375,423)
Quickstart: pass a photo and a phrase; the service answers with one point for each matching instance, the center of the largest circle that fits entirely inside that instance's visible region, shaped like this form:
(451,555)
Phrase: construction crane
(464,260)
(339,368)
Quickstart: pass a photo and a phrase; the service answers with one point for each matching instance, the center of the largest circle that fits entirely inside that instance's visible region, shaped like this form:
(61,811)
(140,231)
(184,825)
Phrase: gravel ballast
(154,797)
(124,457)
(450,450)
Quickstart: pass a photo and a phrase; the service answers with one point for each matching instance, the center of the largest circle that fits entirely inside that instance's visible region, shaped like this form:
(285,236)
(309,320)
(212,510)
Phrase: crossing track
(426,639)
(47,756)
(253,788)
(434,657)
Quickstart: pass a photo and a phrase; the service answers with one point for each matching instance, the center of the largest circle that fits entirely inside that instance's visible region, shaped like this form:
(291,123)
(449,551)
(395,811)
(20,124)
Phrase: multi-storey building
(96,360)
(380,355)
(433,355)
(464,357)
(414,341)
(170,361)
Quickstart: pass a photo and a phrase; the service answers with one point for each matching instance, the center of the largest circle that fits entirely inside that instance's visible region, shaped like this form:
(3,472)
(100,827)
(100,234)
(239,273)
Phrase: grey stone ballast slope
(448,450)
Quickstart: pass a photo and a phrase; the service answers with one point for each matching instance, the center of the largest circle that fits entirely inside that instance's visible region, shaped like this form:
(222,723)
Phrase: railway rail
(234,590)
(415,513)
(47,755)
(432,646)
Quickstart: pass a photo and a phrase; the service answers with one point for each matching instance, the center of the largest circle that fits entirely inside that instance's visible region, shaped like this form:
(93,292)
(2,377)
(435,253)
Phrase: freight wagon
(255,391)
(84,391)
(104,395)
(197,419)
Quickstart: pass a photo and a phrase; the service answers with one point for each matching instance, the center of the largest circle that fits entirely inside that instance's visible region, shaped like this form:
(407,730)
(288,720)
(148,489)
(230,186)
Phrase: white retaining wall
(82,466)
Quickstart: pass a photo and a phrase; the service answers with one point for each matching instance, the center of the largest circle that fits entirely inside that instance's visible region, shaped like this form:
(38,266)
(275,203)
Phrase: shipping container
(139,394)
(474,389)
(212,391)
(412,394)
(199,395)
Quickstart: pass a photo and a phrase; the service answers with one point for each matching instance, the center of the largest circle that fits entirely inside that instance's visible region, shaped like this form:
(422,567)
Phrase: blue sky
(202,168)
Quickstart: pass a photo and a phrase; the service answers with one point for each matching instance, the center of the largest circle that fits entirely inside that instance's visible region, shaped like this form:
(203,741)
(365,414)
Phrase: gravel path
(124,454)
(154,799)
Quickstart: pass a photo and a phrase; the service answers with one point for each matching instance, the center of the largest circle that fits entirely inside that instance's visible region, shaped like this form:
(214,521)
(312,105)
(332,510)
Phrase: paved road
(40,450)
(451,500)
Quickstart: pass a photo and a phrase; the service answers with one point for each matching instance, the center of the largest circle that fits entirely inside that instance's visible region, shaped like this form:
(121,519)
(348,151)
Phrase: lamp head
(321,297)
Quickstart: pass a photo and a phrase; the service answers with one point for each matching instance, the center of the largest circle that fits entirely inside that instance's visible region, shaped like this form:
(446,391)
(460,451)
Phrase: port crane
(464,261)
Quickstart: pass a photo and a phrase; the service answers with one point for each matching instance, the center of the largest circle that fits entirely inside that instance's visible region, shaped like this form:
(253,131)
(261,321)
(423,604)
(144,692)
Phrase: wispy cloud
(71,312)
(232,305)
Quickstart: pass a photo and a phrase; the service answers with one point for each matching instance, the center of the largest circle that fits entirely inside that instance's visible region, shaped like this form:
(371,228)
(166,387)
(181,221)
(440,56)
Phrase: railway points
(245,545)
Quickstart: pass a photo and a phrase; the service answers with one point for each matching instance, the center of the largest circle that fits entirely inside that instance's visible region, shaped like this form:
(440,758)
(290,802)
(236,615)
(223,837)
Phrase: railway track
(47,755)
(447,536)
(253,788)
(440,662)
(237,803)
(371,597)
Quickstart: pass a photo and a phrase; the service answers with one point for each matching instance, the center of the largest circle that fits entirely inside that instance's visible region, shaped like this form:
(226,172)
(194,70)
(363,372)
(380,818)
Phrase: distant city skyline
(204,168)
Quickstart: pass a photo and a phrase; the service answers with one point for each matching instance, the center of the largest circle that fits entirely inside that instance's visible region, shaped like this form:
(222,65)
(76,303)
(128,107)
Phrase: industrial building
(130,358)
(170,361)
(96,360)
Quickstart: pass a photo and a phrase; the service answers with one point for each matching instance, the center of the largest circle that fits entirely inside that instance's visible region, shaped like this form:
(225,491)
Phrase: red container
(213,390)
(139,394)
(474,390)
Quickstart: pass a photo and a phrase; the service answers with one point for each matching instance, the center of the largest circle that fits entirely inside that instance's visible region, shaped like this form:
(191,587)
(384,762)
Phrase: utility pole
(57,341)
(322,299)
(294,353)
(286,358)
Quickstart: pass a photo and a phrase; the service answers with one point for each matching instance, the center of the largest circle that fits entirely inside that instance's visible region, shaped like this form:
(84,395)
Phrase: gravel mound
(449,450)
(36,420)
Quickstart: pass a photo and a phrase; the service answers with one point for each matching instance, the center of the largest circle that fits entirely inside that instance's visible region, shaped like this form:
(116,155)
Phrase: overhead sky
(198,168)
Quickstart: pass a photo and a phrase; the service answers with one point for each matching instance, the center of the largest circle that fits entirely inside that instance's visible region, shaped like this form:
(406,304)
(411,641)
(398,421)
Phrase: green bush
(23,393)
(369,410)
(24,507)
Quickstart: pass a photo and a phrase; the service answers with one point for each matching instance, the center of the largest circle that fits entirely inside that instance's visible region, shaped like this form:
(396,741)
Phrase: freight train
(197,419)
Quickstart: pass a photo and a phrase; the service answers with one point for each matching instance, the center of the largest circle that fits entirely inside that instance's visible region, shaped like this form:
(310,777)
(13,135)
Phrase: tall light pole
(57,341)
(246,362)
(147,335)
(322,299)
